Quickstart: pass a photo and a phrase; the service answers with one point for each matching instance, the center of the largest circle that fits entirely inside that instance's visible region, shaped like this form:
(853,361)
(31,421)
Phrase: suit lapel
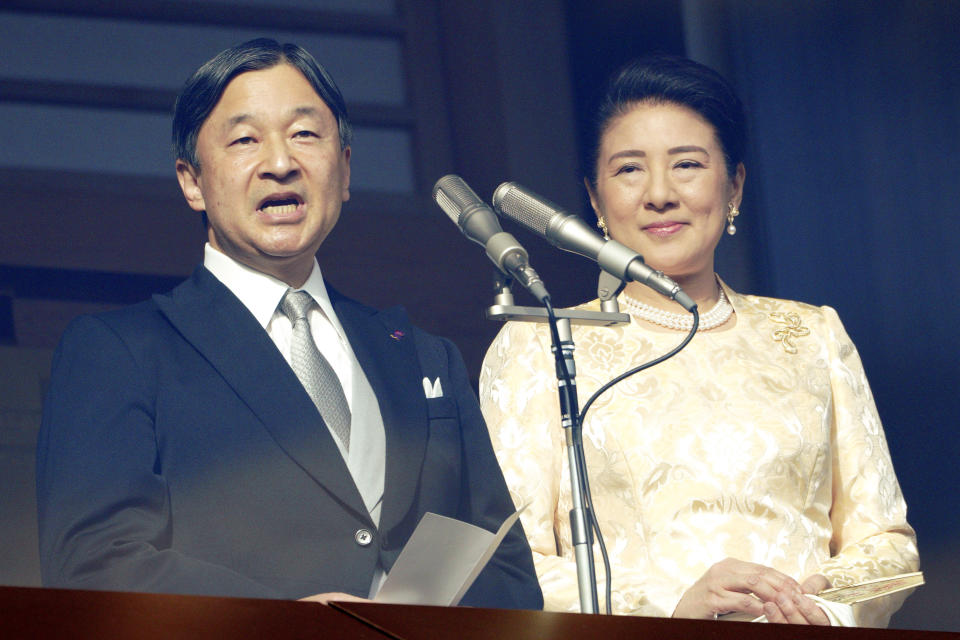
(217,324)
(384,346)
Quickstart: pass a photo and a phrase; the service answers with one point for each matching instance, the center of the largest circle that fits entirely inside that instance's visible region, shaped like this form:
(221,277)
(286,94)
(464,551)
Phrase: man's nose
(278,161)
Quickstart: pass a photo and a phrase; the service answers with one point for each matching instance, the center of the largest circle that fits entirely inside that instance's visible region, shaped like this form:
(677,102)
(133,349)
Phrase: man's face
(272,176)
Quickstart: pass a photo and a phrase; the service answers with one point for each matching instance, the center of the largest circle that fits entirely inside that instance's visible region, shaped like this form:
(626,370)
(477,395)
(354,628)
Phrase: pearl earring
(732,212)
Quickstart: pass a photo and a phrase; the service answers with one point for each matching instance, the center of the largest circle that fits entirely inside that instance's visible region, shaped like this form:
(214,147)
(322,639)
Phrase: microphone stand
(504,309)
(580,529)
(580,517)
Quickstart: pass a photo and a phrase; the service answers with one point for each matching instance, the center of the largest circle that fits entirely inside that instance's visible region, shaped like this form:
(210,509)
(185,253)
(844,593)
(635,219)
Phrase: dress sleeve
(871,536)
(519,401)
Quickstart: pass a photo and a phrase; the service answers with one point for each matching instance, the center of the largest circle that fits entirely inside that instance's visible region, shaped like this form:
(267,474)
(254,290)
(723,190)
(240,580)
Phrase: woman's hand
(734,585)
(815,584)
(801,610)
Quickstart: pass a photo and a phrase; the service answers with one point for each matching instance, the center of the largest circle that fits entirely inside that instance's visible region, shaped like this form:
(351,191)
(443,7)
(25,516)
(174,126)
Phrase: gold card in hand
(873,588)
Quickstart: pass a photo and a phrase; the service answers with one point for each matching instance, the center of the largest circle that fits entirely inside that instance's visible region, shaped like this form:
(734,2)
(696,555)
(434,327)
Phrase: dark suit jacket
(179,453)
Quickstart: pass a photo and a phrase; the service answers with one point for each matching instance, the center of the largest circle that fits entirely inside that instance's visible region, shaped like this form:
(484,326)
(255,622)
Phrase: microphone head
(454,196)
(525,207)
(561,228)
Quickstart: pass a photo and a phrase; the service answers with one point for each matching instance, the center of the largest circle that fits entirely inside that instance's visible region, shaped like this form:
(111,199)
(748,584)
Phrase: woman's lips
(663,229)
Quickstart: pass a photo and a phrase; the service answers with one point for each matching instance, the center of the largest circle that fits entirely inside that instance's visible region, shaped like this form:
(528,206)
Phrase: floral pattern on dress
(767,450)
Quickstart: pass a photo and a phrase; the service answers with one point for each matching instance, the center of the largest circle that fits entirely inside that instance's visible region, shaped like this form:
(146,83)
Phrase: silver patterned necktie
(315,373)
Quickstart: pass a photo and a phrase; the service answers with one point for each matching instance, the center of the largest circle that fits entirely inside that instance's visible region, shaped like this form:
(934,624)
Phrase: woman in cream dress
(746,472)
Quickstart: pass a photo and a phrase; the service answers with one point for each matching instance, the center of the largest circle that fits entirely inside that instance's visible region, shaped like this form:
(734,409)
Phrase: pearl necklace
(720,313)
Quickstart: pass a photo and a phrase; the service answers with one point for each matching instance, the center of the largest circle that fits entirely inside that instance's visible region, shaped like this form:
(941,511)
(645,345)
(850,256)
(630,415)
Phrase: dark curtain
(853,201)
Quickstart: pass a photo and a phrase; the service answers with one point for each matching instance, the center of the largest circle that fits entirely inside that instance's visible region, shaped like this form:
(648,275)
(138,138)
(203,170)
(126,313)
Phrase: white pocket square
(432,389)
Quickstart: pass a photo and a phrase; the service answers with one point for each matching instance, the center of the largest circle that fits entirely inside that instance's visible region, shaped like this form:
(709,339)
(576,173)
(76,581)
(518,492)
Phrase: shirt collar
(261,293)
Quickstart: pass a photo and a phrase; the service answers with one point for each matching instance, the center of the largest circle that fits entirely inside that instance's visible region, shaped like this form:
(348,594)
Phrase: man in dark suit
(253,432)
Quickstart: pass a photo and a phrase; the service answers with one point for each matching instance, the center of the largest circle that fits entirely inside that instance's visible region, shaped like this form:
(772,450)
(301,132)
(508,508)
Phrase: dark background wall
(852,190)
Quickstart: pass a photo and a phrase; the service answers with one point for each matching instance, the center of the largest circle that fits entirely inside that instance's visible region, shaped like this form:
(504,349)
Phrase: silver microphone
(569,232)
(478,222)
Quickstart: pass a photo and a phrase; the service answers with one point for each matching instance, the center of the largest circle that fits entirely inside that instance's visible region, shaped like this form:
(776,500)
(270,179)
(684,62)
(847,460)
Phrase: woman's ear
(594,200)
(736,183)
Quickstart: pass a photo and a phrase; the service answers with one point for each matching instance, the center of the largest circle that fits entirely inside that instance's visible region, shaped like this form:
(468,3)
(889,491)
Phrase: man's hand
(734,585)
(333,596)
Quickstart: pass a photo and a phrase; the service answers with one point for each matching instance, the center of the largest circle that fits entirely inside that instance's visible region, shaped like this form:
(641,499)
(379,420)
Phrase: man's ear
(189,178)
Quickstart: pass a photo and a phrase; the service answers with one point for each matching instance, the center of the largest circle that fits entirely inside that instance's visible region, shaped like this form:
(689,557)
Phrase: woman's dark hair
(203,90)
(662,78)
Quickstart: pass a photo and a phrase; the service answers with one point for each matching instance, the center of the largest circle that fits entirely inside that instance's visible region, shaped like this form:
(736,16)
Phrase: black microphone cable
(586,406)
(576,436)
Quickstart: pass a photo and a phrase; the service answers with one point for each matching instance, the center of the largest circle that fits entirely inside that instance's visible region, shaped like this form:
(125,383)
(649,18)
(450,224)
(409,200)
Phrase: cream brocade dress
(760,443)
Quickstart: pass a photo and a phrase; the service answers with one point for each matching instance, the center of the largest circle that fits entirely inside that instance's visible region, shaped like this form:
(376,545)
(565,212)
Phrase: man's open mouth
(280,206)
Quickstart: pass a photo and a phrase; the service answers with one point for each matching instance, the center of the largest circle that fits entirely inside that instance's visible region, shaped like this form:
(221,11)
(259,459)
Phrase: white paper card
(440,561)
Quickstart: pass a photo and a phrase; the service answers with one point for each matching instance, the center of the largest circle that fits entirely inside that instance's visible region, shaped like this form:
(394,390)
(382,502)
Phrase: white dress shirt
(261,295)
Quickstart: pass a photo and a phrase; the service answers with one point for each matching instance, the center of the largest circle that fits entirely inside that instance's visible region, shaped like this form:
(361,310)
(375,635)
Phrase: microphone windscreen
(531,211)
(454,195)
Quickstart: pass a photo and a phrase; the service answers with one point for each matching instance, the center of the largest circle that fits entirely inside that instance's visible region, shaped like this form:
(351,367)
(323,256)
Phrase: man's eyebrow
(306,111)
(237,119)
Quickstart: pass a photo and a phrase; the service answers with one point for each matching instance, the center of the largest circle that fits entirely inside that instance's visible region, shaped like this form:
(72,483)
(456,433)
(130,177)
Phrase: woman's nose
(660,194)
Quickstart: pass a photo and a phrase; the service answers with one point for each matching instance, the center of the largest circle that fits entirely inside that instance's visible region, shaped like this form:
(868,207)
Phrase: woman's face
(662,187)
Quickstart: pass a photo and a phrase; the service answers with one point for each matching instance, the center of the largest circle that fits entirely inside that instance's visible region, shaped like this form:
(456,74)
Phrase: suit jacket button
(363,537)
